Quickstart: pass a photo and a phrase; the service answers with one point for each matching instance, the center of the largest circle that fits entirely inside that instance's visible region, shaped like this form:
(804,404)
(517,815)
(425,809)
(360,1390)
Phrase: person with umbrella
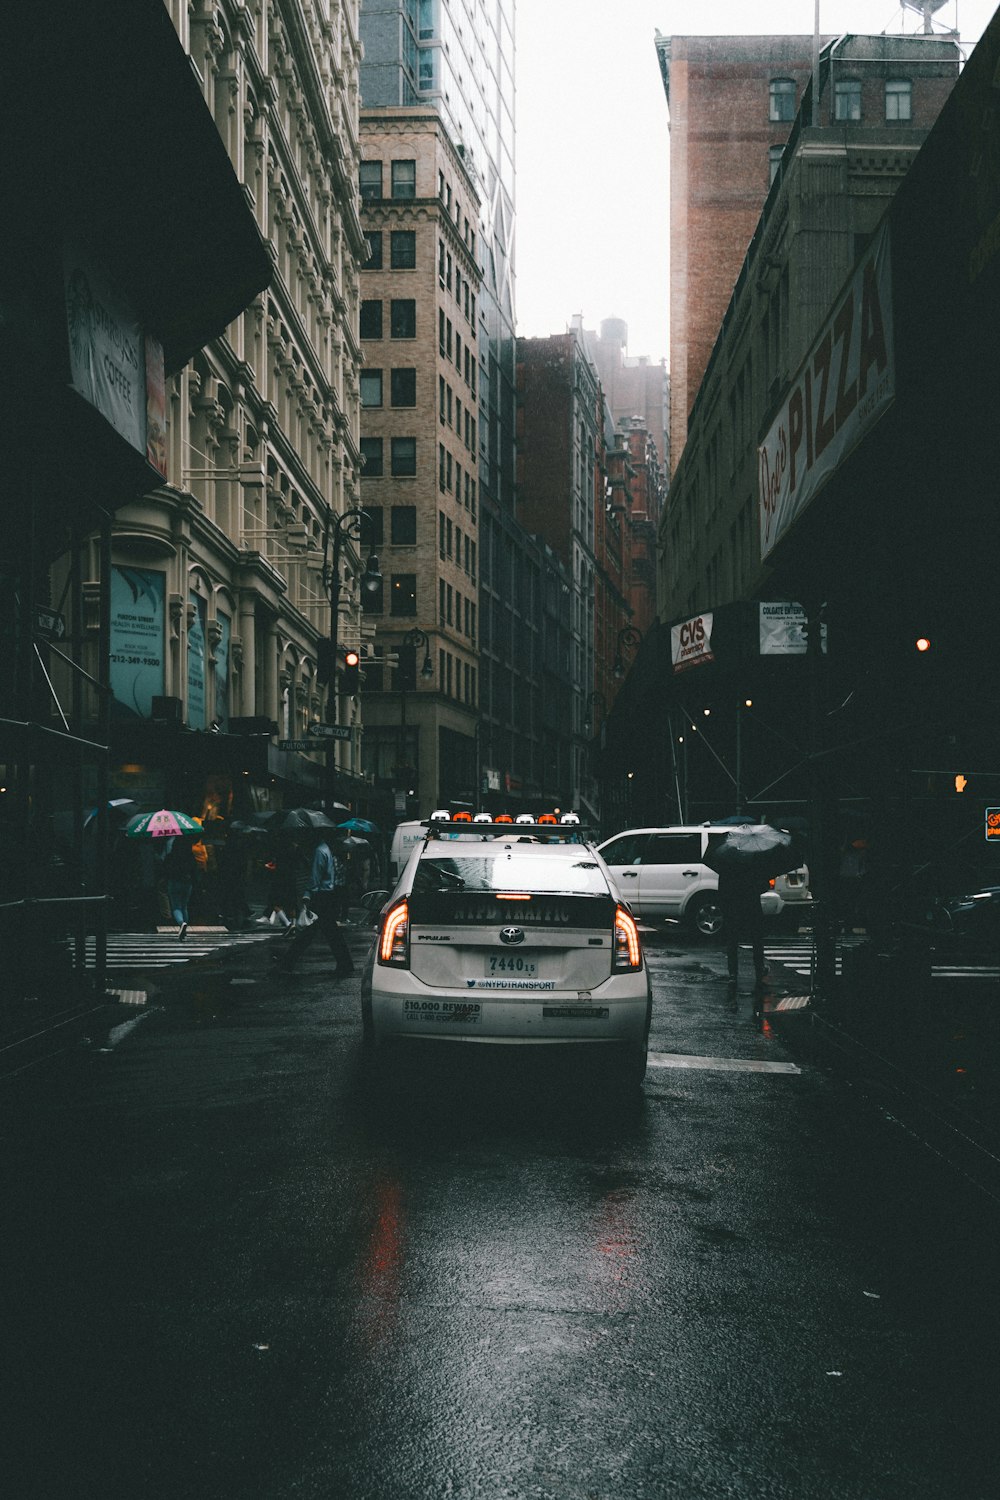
(325,895)
(171,828)
(746,860)
(740,891)
(181,868)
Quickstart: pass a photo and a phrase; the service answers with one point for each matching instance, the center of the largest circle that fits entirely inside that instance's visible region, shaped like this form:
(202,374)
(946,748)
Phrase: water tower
(926,8)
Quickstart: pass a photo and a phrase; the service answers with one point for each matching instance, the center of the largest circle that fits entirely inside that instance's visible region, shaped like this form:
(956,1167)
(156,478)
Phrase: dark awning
(108,137)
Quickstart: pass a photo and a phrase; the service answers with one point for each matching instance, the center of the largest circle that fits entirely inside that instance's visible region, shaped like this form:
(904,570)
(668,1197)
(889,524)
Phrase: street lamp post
(348,525)
(414,640)
(628,639)
(592,720)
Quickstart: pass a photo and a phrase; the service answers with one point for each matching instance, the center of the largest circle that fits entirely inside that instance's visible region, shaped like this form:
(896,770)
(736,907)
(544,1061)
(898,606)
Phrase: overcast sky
(592,142)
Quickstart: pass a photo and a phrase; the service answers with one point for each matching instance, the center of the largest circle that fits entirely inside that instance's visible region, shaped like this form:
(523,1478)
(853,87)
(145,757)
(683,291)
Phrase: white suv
(661,872)
(510,935)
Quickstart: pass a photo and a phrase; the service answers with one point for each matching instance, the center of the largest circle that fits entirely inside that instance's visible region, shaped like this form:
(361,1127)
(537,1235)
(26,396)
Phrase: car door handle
(692,873)
(631,874)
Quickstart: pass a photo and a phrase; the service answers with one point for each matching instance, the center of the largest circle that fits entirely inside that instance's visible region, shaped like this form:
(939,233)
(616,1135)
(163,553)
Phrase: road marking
(719,1064)
(793,1002)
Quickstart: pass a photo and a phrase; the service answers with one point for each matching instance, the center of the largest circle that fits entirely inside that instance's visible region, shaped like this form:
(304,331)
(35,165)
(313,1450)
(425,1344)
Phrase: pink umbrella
(163,824)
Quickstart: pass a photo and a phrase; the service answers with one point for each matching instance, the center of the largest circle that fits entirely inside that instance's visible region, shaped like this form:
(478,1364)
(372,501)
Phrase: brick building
(420,446)
(633,385)
(732,101)
(831,187)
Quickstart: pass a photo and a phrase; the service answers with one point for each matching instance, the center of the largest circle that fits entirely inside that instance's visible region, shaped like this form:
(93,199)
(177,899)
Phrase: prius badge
(511,935)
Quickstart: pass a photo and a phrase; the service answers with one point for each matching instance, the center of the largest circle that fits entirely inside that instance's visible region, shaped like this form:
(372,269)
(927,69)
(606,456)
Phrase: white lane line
(719,1064)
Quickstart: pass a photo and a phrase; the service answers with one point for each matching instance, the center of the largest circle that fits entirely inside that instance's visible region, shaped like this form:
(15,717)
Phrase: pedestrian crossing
(796,954)
(162,949)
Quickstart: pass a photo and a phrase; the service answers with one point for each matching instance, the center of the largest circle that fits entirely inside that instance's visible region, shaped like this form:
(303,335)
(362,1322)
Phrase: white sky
(592,143)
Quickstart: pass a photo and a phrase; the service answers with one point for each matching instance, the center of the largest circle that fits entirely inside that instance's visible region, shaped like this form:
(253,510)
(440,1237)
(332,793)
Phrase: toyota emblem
(511,935)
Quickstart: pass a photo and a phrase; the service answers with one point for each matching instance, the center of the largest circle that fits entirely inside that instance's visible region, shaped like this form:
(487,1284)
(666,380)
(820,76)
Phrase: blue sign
(137,638)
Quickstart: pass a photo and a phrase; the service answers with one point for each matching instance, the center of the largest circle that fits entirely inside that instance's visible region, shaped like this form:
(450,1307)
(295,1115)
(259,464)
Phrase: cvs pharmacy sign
(845,384)
(691,642)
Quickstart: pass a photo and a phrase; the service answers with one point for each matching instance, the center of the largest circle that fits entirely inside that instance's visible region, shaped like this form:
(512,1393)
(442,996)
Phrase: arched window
(782,99)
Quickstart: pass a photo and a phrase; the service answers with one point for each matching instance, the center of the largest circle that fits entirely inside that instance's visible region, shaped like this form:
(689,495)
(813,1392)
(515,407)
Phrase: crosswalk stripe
(162,949)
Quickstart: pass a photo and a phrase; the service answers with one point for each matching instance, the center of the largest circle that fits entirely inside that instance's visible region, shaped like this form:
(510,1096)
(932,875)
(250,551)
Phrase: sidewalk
(926,1051)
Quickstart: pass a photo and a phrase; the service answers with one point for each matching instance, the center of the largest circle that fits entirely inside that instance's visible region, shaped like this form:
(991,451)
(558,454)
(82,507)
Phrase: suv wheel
(706,917)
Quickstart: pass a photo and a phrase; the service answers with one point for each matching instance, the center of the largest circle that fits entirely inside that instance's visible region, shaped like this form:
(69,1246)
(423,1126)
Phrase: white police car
(511,937)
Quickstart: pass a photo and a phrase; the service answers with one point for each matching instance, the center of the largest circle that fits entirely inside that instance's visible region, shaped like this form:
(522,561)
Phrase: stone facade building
(229,560)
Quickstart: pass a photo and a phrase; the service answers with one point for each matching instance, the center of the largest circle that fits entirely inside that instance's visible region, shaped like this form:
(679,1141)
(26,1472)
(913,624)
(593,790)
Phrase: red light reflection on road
(382,1265)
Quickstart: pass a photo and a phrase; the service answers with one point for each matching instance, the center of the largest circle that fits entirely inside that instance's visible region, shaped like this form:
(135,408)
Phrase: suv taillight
(394,939)
(627,952)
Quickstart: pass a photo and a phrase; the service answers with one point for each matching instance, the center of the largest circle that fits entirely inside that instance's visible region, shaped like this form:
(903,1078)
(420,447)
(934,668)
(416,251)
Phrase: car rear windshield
(514,870)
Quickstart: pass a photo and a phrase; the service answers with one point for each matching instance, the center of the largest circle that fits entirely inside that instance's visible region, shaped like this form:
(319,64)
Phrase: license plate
(517,965)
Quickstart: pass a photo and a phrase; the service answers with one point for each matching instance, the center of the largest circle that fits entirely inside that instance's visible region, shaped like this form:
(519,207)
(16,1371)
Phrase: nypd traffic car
(512,935)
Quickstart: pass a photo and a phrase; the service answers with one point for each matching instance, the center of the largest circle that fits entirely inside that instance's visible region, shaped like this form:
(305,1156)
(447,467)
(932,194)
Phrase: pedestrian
(743,919)
(180,866)
(325,895)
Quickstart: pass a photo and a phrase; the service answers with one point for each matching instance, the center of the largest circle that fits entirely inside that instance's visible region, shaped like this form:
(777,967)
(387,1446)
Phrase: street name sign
(296,745)
(330,731)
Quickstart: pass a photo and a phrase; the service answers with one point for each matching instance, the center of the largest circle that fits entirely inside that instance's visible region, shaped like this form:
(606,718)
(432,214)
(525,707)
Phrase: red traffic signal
(349,679)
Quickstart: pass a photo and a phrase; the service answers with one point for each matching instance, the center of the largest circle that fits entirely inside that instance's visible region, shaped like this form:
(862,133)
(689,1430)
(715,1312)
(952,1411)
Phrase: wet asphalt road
(235,1266)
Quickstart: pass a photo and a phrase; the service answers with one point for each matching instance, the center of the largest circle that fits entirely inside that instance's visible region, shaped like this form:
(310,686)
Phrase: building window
(403,318)
(371,387)
(370,181)
(428,58)
(404,525)
(371,458)
(774,155)
(403,387)
(373,526)
(899,100)
(404,457)
(373,603)
(374,261)
(371,319)
(847,99)
(782,106)
(403,249)
(404,179)
(403,598)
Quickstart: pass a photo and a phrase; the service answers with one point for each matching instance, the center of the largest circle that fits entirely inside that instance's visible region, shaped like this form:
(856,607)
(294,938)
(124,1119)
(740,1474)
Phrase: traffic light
(324,661)
(349,681)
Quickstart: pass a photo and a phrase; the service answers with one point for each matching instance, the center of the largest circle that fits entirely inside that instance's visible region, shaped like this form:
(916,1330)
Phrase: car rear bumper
(617,1012)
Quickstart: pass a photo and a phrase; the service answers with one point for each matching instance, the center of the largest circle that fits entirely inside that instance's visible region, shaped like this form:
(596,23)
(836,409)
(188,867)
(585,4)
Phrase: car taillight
(627,948)
(394,943)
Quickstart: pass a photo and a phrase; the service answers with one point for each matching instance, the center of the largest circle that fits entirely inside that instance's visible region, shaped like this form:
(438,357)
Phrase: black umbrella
(756,850)
(299,820)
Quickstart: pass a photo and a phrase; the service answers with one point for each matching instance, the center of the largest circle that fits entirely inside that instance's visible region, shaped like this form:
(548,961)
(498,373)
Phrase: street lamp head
(371,578)
(427,670)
